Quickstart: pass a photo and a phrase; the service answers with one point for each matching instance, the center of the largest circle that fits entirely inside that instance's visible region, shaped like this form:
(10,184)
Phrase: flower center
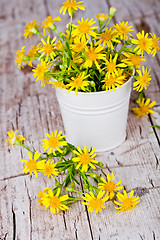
(123,30)
(32,51)
(92,55)
(48,170)
(48,48)
(111,66)
(70,5)
(78,82)
(127,204)
(110,81)
(105,36)
(144,110)
(143,79)
(110,186)
(135,60)
(79,47)
(85,158)
(143,44)
(40,71)
(32,165)
(83,28)
(53,142)
(54,202)
(95,203)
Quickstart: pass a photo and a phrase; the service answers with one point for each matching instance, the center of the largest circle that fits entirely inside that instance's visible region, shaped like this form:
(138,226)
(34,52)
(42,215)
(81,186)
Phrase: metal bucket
(96,119)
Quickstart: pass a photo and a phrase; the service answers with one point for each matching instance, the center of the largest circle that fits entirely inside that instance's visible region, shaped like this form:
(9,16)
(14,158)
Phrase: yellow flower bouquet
(89,58)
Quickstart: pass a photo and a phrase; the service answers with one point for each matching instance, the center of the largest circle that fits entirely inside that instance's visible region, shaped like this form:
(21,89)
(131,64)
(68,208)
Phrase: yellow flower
(143,43)
(95,203)
(107,37)
(84,28)
(111,65)
(47,49)
(13,137)
(84,158)
(113,81)
(110,186)
(132,59)
(49,169)
(79,44)
(41,195)
(20,57)
(71,6)
(48,23)
(32,166)
(54,142)
(155,44)
(144,107)
(54,201)
(102,17)
(57,84)
(40,72)
(59,45)
(30,29)
(78,83)
(32,53)
(123,30)
(143,80)
(93,54)
(127,203)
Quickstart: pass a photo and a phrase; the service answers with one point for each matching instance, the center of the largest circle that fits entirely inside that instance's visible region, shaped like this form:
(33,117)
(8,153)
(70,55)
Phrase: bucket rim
(100,92)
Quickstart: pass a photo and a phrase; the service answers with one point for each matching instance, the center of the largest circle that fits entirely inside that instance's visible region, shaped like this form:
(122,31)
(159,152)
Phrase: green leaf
(75,180)
(67,181)
(156,126)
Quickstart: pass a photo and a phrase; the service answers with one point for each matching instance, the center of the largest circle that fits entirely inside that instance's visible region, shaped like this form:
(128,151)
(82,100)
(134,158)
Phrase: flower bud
(70,189)
(130,68)
(100,164)
(26,58)
(93,175)
(112,11)
(53,27)
(34,30)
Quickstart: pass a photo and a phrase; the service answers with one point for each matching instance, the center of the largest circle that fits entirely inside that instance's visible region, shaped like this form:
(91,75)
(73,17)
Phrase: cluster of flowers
(90,58)
(81,162)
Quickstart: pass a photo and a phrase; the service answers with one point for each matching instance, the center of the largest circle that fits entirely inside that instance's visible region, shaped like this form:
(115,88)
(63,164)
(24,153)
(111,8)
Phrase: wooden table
(34,111)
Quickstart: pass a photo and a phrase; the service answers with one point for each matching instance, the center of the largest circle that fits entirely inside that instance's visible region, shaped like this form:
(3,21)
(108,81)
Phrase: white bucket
(96,119)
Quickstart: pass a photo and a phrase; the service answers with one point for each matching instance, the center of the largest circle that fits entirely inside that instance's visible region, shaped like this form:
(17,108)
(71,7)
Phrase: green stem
(41,35)
(122,48)
(70,29)
(22,145)
(106,23)
(129,73)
